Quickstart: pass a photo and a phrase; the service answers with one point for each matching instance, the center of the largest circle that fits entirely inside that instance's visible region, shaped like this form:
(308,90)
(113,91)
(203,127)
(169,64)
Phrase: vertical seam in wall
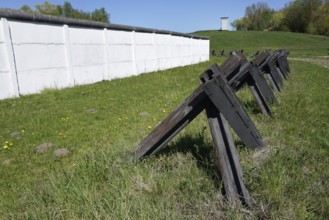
(208,50)
(193,47)
(155,52)
(107,62)
(11,57)
(181,47)
(191,50)
(198,51)
(133,53)
(68,55)
(170,51)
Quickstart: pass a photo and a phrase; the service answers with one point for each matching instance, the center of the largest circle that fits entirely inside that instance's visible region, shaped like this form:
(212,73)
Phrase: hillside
(299,45)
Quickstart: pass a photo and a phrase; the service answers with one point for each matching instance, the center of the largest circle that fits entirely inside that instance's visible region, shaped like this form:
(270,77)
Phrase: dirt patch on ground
(43,147)
(324,61)
(144,114)
(7,162)
(62,152)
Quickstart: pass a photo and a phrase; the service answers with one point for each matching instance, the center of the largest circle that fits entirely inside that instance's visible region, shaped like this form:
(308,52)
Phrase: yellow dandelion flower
(5,147)
(164,111)
(149,127)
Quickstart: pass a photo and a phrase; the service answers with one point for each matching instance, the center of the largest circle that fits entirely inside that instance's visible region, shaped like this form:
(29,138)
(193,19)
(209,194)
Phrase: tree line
(302,16)
(67,10)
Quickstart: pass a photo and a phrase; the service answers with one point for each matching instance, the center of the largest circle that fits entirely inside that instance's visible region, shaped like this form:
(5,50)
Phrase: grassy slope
(100,124)
(298,44)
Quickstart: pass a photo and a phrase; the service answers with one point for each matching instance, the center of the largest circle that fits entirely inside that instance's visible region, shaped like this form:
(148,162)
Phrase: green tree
(70,12)
(48,9)
(258,16)
(67,10)
(27,9)
(100,15)
(304,16)
(322,23)
(240,24)
(301,14)
(276,22)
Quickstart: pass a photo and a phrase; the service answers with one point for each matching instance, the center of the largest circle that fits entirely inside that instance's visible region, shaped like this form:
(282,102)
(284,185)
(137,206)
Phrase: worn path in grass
(324,61)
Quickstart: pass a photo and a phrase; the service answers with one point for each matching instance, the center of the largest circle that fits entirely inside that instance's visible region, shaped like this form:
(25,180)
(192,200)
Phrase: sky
(184,16)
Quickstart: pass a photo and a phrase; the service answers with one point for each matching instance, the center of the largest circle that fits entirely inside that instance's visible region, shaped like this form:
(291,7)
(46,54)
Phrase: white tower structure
(224,21)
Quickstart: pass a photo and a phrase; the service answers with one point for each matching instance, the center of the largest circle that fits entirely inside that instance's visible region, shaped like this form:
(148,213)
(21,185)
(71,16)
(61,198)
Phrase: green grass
(101,124)
(299,45)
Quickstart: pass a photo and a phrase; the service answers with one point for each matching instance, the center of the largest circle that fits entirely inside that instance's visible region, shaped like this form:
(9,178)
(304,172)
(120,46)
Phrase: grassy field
(67,154)
(300,45)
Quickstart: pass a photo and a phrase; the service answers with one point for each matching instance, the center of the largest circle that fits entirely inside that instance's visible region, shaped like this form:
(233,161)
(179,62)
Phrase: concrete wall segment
(38,52)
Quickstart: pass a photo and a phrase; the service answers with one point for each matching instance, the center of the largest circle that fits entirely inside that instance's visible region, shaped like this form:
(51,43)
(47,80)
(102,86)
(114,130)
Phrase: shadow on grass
(203,153)
(251,106)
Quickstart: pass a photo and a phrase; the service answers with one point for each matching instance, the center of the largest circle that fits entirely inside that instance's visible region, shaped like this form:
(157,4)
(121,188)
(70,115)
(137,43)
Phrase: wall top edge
(17,15)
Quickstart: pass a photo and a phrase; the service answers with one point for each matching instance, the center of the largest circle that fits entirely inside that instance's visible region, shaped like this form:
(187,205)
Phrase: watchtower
(224,23)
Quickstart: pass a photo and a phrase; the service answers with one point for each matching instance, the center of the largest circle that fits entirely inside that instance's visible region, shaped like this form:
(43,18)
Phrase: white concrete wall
(8,79)
(88,57)
(35,56)
(39,52)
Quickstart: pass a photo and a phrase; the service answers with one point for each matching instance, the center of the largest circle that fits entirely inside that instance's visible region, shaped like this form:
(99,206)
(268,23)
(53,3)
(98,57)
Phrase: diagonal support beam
(225,100)
(191,107)
(275,76)
(281,64)
(242,72)
(227,157)
(269,64)
(259,98)
(262,86)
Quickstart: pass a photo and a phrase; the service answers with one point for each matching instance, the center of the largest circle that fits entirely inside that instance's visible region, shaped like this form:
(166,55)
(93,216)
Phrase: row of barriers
(216,95)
